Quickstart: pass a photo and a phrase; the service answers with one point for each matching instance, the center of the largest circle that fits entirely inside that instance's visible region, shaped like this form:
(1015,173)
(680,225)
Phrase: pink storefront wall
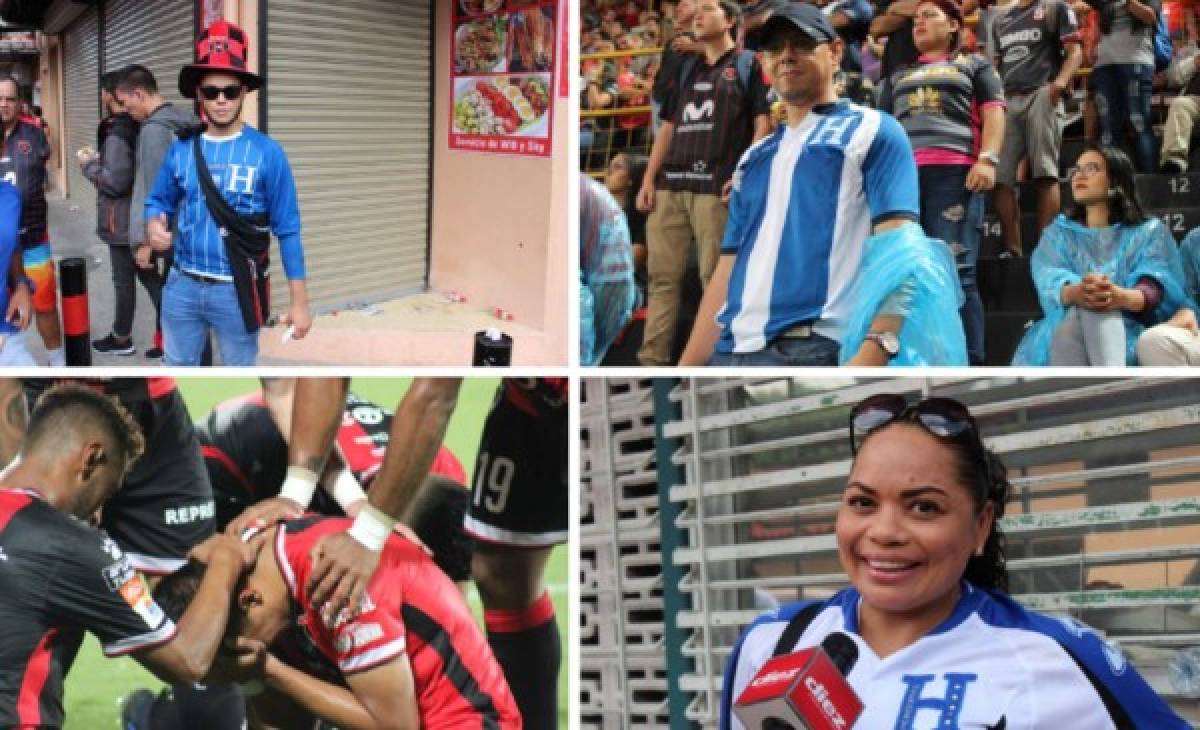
(499,223)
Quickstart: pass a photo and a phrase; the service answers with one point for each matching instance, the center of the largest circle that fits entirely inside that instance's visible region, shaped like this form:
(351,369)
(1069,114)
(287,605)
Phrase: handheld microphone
(805,690)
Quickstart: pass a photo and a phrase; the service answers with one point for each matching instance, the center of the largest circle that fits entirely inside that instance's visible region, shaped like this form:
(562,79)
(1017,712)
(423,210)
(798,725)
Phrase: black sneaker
(112,346)
(154,353)
(136,708)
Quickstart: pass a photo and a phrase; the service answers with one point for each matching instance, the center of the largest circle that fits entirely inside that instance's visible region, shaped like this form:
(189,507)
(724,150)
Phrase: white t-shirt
(991,664)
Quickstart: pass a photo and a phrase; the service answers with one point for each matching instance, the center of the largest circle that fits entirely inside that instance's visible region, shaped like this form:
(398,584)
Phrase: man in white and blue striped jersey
(805,200)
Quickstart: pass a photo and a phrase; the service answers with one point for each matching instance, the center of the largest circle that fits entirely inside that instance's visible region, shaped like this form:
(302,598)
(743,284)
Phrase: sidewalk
(423,329)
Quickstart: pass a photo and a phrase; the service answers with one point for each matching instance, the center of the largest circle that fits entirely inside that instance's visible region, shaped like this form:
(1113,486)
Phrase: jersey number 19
(493,481)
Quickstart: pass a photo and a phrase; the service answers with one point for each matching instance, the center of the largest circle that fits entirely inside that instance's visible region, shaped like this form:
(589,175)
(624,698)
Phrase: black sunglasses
(943,417)
(231,92)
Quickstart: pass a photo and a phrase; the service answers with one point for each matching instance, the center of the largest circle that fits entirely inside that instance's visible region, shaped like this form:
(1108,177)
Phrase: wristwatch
(990,157)
(887,341)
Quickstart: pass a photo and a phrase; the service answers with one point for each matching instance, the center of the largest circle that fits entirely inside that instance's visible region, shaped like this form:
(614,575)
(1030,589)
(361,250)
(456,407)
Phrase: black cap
(808,18)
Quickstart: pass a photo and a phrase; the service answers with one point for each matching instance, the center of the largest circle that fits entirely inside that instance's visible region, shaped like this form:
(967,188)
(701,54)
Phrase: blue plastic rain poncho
(606,286)
(1068,251)
(1189,251)
(905,273)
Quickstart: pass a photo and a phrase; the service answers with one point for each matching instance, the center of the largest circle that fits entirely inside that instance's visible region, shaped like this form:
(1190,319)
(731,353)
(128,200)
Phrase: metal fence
(1103,524)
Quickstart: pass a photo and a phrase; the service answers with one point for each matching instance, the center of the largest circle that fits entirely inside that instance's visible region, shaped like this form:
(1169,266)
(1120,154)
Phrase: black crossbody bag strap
(795,629)
(246,245)
(219,208)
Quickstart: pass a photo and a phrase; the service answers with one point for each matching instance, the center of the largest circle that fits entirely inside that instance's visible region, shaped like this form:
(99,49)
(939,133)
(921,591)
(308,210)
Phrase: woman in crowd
(1103,272)
(939,640)
(623,170)
(951,104)
(606,287)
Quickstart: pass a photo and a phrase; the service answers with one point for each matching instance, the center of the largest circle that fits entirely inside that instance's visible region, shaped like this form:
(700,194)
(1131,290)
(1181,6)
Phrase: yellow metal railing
(608,137)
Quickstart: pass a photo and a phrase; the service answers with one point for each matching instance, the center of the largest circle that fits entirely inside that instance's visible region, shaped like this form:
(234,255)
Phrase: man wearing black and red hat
(218,279)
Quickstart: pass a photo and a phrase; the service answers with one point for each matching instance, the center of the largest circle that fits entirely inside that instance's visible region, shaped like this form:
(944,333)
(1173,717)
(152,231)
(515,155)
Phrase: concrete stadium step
(1179,220)
(1001,335)
(1157,191)
(1006,286)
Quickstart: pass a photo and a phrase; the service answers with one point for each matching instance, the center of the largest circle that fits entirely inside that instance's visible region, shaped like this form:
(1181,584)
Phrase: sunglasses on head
(231,92)
(943,417)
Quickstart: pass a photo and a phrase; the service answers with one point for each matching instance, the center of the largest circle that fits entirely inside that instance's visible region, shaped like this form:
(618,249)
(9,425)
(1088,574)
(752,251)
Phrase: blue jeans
(784,352)
(954,214)
(1122,91)
(13,352)
(190,309)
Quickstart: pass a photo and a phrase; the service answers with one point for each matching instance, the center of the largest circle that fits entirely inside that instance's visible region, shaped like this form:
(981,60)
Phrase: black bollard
(492,348)
(76,323)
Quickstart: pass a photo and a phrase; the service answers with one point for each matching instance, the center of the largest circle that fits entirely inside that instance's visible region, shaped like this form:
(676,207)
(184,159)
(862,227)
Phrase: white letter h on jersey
(948,707)
(832,131)
(236,177)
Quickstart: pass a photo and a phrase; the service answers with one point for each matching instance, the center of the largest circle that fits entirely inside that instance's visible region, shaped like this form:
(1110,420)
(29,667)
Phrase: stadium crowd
(973,101)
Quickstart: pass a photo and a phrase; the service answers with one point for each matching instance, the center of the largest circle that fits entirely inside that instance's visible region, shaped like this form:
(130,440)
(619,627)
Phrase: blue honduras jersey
(803,203)
(253,174)
(991,664)
(10,213)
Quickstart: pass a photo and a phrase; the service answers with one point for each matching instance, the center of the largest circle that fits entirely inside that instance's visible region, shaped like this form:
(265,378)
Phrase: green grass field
(95,683)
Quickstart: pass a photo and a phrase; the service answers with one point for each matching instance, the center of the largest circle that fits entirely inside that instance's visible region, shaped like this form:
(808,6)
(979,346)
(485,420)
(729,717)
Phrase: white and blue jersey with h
(991,664)
(253,175)
(803,204)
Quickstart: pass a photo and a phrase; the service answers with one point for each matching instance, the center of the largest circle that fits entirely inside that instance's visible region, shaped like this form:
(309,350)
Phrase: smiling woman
(940,642)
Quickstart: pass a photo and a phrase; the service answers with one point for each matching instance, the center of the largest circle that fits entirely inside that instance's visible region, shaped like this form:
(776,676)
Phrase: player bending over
(412,657)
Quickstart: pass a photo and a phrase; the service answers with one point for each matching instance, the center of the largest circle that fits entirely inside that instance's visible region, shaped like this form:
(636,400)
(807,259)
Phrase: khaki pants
(677,220)
(1167,344)
(1177,133)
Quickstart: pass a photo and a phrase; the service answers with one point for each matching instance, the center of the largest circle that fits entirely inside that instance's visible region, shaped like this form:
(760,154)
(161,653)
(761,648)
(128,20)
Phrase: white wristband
(299,485)
(346,490)
(371,528)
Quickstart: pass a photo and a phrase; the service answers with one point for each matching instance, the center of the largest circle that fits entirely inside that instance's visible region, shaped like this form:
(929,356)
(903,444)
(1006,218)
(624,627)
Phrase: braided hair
(990,480)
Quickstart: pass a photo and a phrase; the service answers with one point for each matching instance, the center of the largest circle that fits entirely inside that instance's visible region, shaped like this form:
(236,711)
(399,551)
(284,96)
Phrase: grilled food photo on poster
(503,66)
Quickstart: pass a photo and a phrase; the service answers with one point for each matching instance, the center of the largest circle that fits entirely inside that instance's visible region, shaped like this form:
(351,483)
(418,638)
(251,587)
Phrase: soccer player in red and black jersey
(411,657)
(247,454)
(165,505)
(518,512)
(60,577)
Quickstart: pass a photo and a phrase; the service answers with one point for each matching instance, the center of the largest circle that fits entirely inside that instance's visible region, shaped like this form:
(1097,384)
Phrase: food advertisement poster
(504,56)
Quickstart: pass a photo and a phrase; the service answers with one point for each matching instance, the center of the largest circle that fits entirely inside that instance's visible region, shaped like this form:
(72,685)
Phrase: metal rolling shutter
(348,98)
(158,34)
(82,99)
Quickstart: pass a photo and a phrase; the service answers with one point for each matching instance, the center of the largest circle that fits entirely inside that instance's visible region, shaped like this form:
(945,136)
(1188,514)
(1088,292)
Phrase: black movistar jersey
(59,578)
(23,156)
